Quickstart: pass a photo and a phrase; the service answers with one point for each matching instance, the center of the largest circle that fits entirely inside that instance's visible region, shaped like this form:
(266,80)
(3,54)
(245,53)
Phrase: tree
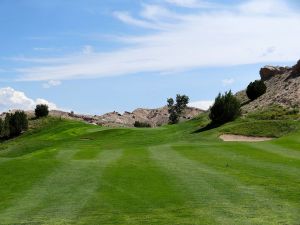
(176,110)
(41,111)
(256,89)
(225,109)
(18,123)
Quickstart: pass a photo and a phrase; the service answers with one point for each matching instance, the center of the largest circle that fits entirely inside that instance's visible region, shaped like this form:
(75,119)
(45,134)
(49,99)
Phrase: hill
(69,172)
(283,88)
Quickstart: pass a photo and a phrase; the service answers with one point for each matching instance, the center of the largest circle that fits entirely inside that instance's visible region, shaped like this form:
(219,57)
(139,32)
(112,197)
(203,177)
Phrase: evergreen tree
(1,127)
(225,109)
(6,127)
(18,123)
(256,89)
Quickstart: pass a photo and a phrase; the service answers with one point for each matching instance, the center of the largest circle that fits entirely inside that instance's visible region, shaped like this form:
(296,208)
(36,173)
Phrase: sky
(94,56)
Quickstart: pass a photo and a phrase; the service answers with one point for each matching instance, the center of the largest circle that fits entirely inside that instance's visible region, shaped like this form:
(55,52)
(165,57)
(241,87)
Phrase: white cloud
(125,17)
(264,7)
(191,3)
(220,37)
(43,49)
(184,3)
(205,105)
(11,99)
(227,82)
(52,83)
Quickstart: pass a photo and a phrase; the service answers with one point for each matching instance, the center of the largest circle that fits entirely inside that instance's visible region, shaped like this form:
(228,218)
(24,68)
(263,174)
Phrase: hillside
(283,88)
(69,172)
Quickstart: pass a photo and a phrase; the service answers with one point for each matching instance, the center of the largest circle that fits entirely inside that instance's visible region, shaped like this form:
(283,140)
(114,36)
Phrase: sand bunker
(241,138)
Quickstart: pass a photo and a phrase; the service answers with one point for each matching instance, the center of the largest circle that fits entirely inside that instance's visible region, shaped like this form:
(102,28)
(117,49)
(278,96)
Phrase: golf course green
(69,172)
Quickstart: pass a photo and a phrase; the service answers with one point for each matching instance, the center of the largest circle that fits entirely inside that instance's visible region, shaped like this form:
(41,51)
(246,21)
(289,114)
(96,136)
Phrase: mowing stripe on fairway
(62,194)
(135,190)
(226,198)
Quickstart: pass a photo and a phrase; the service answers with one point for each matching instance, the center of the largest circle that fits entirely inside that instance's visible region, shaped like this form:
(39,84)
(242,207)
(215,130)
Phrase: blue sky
(95,56)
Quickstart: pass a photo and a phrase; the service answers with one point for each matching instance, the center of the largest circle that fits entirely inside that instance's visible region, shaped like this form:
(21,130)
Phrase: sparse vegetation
(225,109)
(256,89)
(176,109)
(275,112)
(41,111)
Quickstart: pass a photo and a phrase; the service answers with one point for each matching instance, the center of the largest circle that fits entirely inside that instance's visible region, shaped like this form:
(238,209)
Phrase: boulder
(268,72)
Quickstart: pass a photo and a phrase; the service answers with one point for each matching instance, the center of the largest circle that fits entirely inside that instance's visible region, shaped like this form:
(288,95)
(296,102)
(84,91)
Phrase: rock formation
(283,88)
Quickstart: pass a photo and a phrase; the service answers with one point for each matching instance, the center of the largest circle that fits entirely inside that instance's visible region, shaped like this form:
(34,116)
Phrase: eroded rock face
(268,72)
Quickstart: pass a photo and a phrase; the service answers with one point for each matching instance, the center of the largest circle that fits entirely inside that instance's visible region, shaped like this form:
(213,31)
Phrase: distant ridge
(154,117)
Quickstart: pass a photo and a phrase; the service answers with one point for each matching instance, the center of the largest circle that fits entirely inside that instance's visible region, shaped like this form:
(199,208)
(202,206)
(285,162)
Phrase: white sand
(241,138)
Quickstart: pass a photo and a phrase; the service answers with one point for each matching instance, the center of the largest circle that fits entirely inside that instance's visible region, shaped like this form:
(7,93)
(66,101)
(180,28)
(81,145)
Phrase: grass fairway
(68,172)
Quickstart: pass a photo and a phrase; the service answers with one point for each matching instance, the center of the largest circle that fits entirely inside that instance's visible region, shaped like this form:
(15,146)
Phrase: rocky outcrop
(283,88)
(268,72)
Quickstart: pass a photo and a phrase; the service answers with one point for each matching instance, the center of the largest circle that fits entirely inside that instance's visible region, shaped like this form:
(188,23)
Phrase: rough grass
(68,172)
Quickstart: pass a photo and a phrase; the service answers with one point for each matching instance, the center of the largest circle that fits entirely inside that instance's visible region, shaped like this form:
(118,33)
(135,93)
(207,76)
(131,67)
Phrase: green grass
(68,172)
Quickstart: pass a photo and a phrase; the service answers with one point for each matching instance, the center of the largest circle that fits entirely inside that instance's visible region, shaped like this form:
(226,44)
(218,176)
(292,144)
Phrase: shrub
(41,111)
(225,109)
(256,89)
(141,124)
(176,110)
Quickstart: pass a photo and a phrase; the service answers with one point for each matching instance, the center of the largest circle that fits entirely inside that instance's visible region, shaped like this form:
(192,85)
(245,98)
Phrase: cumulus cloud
(12,99)
(205,105)
(241,34)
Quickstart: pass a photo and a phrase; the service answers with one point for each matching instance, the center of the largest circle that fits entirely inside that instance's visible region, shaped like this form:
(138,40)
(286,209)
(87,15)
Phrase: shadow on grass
(209,126)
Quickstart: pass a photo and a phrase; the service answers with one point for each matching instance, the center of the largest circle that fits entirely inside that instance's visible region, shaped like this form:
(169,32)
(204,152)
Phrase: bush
(141,124)
(256,89)
(176,110)
(225,109)
(41,111)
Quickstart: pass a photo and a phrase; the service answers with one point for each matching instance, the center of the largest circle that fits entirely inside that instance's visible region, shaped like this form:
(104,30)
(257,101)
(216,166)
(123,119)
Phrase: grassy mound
(68,172)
